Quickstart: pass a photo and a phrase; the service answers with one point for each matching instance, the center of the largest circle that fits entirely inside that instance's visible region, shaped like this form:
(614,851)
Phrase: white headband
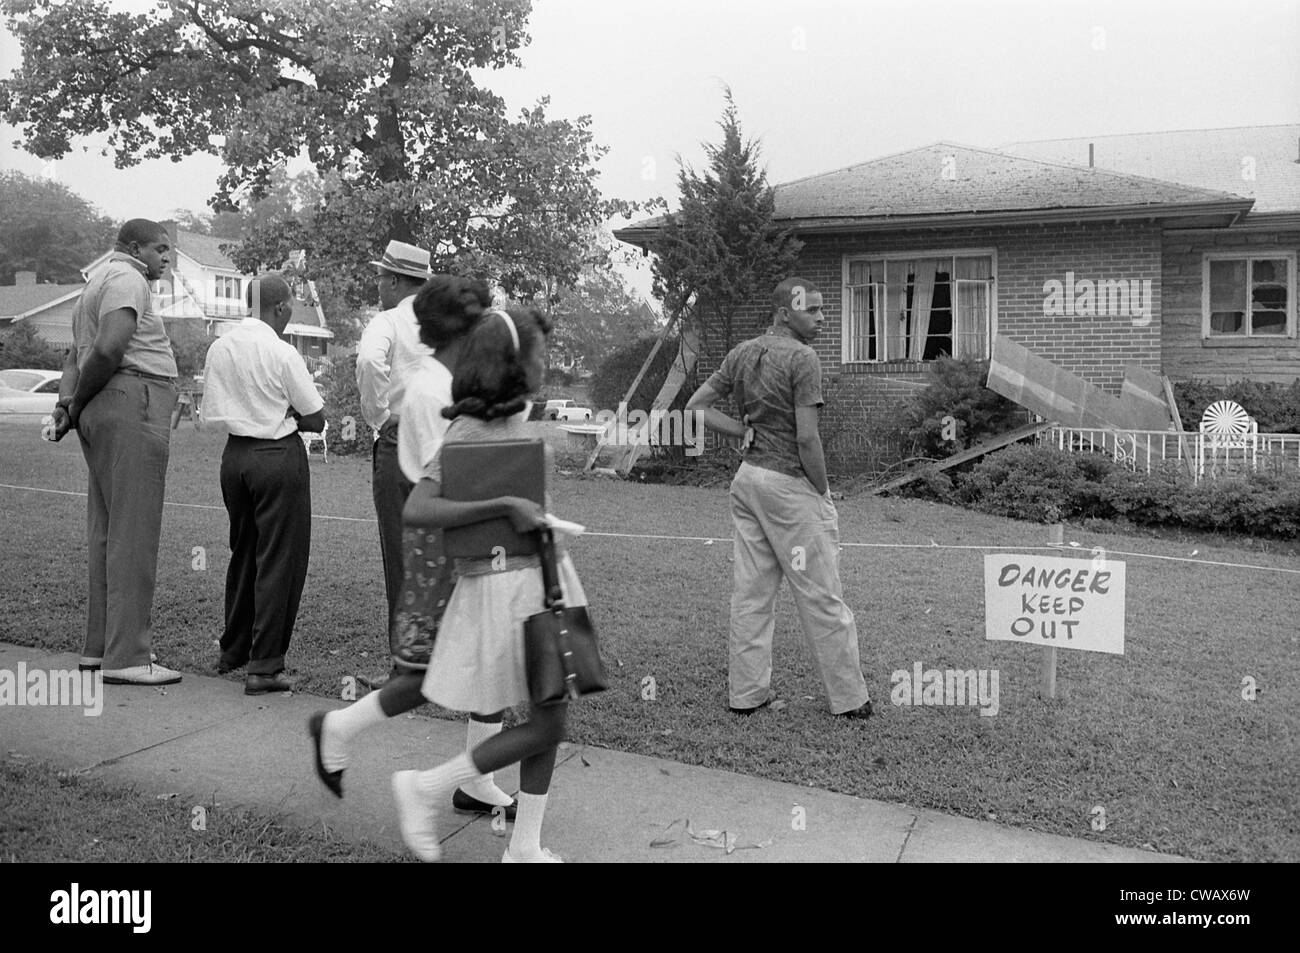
(514,334)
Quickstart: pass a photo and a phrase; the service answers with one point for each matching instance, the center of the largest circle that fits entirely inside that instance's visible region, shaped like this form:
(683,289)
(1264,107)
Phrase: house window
(1246,296)
(918,307)
(229,287)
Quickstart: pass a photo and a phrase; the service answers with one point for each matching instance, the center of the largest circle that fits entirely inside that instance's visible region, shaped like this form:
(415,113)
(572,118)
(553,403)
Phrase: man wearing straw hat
(388,353)
(259,390)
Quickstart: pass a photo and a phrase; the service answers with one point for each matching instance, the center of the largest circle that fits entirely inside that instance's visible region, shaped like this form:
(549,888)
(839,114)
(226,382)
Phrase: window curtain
(972,324)
(923,273)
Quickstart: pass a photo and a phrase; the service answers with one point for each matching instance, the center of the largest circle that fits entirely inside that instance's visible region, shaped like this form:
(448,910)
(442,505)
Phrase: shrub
(190,347)
(1047,485)
(1025,482)
(23,347)
(957,390)
(1275,407)
(1150,499)
(338,386)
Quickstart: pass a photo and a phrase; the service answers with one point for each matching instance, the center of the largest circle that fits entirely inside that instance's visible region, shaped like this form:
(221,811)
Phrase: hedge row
(1045,485)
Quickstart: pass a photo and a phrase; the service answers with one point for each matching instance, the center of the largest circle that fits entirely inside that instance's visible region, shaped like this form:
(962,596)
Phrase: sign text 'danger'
(1055,602)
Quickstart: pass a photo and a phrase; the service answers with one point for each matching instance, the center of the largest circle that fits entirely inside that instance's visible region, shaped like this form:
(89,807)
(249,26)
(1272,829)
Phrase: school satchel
(484,470)
(561,656)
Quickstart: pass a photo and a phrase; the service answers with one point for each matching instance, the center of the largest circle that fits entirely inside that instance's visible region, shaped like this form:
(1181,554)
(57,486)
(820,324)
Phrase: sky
(828,83)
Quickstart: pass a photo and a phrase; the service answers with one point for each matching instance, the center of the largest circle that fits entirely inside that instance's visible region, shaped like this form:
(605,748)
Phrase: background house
(203,293)
(47,309)
(937,249)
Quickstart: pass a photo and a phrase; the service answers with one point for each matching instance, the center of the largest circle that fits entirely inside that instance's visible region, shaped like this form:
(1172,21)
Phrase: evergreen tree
(722,248)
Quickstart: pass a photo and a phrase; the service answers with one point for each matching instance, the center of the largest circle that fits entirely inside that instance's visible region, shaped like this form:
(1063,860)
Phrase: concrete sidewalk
(204,739)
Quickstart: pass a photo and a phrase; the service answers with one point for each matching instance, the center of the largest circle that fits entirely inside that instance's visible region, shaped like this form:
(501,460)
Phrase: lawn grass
(1160,737)
(51,816)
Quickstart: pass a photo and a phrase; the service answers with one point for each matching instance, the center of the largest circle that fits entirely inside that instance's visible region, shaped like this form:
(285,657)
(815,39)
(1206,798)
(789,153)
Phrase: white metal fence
(1200,455)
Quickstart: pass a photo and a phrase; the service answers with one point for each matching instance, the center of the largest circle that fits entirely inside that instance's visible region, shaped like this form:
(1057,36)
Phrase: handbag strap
(552,592)
(555,605)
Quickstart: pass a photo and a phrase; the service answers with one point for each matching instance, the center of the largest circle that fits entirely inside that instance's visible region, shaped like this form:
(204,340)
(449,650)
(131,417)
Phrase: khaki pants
(783,528)
(124,433)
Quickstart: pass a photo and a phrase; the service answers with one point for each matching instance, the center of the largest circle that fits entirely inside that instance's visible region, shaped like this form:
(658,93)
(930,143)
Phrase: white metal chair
(310,438)
(1225,426)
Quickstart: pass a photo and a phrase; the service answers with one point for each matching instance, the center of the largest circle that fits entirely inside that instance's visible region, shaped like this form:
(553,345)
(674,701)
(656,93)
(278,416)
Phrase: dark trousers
(266,485)
(124,436)
(390,489)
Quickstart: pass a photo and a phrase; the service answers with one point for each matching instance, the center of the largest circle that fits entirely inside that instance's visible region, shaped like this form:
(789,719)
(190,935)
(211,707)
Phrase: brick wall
(1096,348)
(1189,356)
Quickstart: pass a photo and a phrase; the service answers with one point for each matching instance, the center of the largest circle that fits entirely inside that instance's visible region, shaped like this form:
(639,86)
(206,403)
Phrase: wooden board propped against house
(1054,393)
(683,364)
(970,453)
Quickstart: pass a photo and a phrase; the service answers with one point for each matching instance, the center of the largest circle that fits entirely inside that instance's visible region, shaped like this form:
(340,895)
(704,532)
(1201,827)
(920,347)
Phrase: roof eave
(1225,212)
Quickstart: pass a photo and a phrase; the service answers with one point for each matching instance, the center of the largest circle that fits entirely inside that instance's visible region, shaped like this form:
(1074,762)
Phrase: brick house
(936,249)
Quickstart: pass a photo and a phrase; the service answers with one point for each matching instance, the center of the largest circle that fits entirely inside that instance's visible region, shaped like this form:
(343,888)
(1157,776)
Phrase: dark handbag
(560,651)
(484,470)
(427,583)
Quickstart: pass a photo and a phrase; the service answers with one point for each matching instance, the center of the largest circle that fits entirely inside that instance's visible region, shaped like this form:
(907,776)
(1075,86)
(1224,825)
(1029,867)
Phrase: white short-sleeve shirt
(423,427)
(251,379)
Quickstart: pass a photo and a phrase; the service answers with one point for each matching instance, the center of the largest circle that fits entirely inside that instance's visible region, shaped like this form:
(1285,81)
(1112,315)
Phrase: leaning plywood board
(687,351)
(1050,391)
(986,446)
(636,382)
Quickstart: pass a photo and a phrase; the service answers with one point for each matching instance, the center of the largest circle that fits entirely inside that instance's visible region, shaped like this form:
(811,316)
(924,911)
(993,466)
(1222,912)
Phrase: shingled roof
(18,300)
(1259,162)
(946,183)
(205,249)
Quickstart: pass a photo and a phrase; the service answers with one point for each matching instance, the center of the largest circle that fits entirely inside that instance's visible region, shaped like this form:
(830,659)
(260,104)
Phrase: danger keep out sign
(1055,602)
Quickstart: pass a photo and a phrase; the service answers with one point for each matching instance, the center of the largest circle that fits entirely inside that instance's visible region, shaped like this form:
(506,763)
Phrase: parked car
(29,391)
(565,410)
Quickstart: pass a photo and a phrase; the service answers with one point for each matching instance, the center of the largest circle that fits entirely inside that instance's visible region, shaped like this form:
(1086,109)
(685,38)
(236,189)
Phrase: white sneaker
(141,675)
(417,816)
(546,857)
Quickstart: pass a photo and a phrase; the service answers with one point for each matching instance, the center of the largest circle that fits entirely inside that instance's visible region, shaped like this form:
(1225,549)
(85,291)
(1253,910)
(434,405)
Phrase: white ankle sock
(443,779)
(485,788)
(526,840)
(343,725)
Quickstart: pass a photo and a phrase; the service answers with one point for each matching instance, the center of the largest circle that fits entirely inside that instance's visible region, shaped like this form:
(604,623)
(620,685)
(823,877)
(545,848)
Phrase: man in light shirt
(387,355)
(257,387)
(117,392)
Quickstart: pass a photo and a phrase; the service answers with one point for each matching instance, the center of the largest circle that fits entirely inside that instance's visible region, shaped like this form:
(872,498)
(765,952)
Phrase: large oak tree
(381,96)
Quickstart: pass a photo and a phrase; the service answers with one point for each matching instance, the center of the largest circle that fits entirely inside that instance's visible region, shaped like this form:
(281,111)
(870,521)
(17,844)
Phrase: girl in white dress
(445,308)
(478,658)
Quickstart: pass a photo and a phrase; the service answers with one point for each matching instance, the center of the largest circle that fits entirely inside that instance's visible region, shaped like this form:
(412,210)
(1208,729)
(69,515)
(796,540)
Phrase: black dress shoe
(331,779)
(862,713)
(225,668)
(265,684)
(464,804)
